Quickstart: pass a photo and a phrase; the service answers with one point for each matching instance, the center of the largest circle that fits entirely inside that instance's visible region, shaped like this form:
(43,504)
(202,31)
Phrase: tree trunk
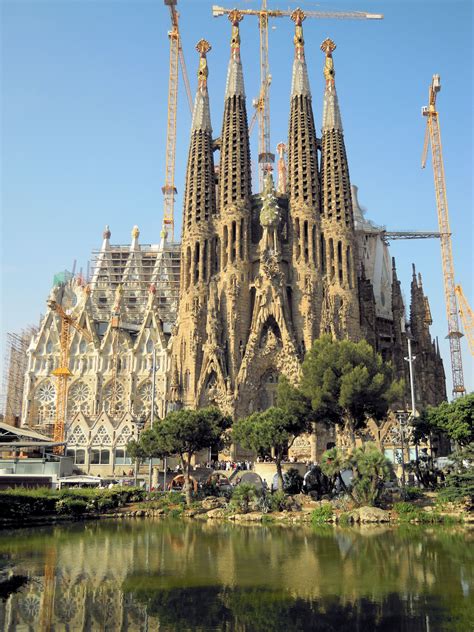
(279,471)
(187,482)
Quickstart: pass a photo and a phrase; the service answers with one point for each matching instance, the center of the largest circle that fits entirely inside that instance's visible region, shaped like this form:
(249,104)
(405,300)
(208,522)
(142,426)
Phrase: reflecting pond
(178,576)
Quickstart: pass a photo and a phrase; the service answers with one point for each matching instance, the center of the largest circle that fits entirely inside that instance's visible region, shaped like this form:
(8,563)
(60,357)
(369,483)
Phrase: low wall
(267,471)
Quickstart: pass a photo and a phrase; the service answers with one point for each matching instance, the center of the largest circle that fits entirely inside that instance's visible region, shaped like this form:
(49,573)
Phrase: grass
(321,514)
(410,513)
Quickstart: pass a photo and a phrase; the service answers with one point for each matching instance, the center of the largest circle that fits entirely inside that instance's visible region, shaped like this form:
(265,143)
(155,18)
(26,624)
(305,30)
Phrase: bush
(459,484)
(19,502)
(292,481)
(242,496)
(321,514)
(71,506)
(278,501)
(412,493)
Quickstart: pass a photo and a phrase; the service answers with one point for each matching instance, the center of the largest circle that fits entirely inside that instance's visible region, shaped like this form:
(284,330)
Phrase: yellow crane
(62,372)
(433,137)
(467,317)
(176,54)
(262,104)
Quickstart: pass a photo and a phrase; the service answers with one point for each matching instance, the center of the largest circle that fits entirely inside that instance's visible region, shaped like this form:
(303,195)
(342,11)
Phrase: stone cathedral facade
(263,276)
(256,280)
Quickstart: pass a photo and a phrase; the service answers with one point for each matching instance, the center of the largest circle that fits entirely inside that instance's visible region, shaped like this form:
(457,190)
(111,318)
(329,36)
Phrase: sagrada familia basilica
(256,280)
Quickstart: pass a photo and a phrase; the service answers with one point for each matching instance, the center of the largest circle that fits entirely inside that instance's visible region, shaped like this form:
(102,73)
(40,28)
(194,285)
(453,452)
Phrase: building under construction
(15,365)
(257,278)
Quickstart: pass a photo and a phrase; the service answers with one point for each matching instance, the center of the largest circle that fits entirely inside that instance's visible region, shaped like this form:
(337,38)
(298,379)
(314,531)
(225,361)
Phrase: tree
(138,453)
(370,471)
(274,428)
(347,383)
(455,419)
(184,433)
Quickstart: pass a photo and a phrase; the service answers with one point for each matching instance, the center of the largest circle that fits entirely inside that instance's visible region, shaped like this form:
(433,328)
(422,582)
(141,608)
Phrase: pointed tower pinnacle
(235,169)
(106,235)
(135,236)
(199,195)
(302,150)
(335,182)
(331,113)
(201,113)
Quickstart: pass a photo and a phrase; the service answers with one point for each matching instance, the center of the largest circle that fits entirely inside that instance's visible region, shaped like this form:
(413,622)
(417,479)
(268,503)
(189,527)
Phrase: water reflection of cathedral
(129,576)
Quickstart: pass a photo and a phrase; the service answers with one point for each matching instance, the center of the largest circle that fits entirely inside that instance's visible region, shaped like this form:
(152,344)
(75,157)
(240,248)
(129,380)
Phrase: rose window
(142,404)
(117,396)
(46,393)
(79,398)
(46,402)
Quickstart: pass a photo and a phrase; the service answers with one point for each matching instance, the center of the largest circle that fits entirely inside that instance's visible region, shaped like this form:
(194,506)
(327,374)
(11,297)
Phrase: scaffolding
(135,271)
(15,366)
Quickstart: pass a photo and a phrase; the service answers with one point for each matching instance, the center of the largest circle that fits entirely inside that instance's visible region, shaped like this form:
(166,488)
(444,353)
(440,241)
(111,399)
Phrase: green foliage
(274,428)
(321,514)
(71,506)
(292,481)
(455,419)
(185,432)
(242,496)
(21,503)
(371,470)
(278,500)
(348,382)
(370,467)
(459,483)
(293,401)
(408,512)
(412,493)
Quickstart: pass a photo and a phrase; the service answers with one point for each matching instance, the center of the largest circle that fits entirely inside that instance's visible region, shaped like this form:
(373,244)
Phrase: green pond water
(179,576)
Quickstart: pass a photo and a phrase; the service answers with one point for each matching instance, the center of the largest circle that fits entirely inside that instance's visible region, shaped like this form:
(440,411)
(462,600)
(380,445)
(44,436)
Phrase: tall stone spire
(199,196)
(197,243)
(302,149)
(304,199)
(338,244)
(235,169)
(335,182)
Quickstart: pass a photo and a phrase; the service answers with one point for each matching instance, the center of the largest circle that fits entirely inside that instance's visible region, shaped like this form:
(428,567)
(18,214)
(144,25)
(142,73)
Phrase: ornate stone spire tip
(135,232)
(106,234)
(328,46)
(235,16)
(203,47)
(298,16)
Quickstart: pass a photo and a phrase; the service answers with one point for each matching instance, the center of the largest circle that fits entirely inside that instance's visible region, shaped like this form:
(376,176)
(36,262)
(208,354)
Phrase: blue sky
(83,114)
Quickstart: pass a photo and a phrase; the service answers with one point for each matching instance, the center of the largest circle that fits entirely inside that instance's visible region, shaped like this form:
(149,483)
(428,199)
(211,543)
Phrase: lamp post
(140,423)
(410,359)
(152,415)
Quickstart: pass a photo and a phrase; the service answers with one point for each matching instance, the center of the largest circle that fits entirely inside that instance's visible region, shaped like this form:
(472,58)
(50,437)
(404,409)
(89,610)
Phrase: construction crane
(176,53)
(467,317)
(262,104)
(62,372)
(433,136)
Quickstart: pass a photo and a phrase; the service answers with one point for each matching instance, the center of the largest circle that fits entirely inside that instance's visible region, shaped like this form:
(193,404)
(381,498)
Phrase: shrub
(242,496)
(71,506)
(292,481)
(278,501)
(321,514)
(459,484)
(412,493)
